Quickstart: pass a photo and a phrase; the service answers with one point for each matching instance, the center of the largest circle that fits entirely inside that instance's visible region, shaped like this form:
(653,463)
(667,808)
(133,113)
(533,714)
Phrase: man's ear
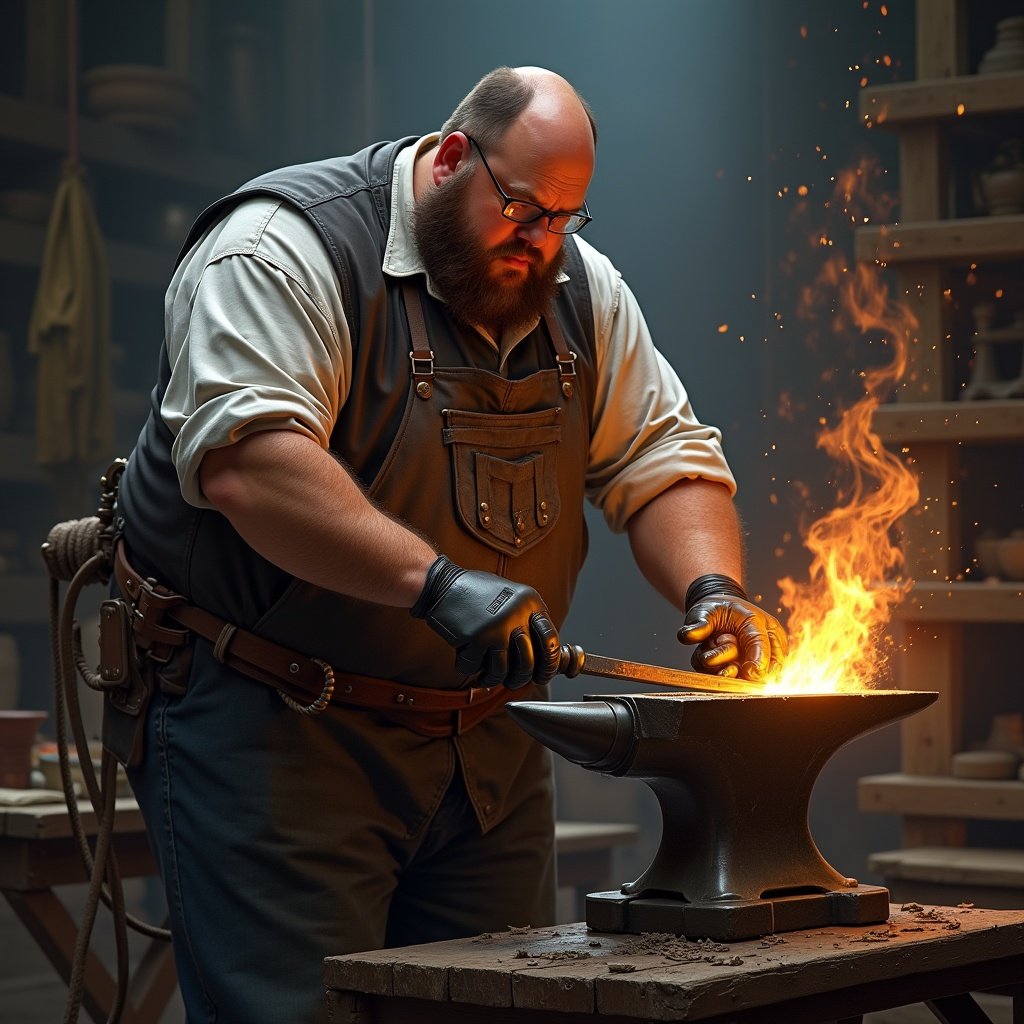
(449,156)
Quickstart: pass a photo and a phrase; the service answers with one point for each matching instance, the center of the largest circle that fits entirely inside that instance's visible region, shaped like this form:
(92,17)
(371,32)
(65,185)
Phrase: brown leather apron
(492,471)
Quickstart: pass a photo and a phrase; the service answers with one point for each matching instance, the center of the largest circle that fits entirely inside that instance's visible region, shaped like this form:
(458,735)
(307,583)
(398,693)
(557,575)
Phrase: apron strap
(564,357)
(421,356)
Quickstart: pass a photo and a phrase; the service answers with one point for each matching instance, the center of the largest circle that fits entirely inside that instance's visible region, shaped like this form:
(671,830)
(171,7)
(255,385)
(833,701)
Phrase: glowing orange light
(836,616)
(802,190)
(722,328)
(960,108)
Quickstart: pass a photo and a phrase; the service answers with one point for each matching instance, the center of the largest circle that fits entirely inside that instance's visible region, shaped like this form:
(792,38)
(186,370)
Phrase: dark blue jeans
(282,839)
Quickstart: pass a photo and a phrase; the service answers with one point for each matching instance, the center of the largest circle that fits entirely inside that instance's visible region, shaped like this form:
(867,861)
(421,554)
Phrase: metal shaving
(555,954)
(672,947)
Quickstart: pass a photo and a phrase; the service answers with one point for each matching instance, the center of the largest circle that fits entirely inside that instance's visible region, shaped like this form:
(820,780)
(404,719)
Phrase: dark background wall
(708,109)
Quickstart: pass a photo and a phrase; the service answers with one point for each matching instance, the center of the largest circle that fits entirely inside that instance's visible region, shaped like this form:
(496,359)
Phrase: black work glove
(734,637)
(499,628)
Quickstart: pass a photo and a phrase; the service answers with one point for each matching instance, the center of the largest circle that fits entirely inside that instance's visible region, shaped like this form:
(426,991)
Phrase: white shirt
(258,340)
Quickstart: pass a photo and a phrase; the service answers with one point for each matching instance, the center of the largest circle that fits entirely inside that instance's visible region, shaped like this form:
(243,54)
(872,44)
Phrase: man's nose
(535,233)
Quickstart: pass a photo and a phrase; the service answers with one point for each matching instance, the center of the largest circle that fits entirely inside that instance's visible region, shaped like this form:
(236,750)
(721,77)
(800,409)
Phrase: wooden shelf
(962,240)
(22,244)
(26,124)
(942,796)
(934,99)
(986,601)
(967,422)
(24,599)
(948,865)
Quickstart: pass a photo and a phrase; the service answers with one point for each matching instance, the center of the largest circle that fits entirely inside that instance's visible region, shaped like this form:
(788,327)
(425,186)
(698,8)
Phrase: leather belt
(306,684)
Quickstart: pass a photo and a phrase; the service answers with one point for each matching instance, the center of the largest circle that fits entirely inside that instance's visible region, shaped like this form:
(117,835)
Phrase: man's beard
(462,269)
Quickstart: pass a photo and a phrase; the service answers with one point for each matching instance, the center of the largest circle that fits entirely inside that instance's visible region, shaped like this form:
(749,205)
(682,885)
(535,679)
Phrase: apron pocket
(505,474)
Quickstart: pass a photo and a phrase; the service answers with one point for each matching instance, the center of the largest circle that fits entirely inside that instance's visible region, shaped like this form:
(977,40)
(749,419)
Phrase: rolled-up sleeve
(256,338)
(645,436)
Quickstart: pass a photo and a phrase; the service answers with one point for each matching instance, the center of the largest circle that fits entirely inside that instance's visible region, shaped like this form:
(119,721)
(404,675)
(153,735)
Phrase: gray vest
(489,466)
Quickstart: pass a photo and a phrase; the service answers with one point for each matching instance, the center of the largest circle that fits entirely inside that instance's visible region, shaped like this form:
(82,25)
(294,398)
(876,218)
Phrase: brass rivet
(423,389)
(543,519)
(567,389)
(399,698)
(543,505)
(485,519)
(484,506)
(519,541)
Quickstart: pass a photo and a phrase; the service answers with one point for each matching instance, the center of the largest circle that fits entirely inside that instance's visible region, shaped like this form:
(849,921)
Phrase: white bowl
(1010,552)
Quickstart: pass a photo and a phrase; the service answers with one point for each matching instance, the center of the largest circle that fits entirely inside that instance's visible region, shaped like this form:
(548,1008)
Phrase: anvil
(733,776)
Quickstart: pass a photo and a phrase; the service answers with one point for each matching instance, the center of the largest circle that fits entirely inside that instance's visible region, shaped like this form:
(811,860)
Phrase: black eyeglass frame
(583,216)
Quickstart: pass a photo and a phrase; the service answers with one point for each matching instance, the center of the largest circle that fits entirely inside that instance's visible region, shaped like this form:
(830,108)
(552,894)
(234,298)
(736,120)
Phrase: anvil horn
(596,734)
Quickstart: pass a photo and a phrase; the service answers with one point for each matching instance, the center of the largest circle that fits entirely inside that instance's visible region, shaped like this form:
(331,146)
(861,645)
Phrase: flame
(837,616)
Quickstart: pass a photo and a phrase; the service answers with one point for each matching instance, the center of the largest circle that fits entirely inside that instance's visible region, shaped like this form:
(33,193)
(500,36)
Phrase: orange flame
(837,616)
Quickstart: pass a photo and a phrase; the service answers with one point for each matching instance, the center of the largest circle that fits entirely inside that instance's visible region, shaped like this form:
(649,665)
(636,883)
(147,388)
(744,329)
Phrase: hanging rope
(78,552)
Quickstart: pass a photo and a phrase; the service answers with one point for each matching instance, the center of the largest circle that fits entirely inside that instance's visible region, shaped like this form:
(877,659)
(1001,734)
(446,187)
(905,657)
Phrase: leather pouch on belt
(504,467)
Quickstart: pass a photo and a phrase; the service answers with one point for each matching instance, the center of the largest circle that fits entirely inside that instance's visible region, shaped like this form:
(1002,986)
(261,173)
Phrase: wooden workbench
(569,975)
(38,854)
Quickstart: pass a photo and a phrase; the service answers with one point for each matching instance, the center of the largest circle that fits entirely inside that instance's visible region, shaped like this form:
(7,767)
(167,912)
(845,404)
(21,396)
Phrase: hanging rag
(69,334)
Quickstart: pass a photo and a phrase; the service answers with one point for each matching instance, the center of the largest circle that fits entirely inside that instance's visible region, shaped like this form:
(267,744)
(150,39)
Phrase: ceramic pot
(1003,190)
(1008,52)
(17,734)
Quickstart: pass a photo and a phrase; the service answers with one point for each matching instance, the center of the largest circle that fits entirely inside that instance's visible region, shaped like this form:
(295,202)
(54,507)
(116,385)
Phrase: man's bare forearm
(688,530)
(301,509)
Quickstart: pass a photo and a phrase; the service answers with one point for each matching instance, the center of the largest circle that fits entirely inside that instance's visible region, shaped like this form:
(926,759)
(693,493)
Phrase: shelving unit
(134,176)
(935,242)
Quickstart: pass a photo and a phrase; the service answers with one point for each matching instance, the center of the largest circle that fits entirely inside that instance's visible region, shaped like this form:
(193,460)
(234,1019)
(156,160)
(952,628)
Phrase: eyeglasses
(521,211)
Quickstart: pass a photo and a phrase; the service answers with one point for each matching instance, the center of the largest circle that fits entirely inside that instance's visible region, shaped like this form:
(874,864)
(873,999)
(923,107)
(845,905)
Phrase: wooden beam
(929,374)
(970,422)
(925,188)
(931,659)
(963,602)
(941,39)
(953,866)
(940,796)
(964,240)
(892,106)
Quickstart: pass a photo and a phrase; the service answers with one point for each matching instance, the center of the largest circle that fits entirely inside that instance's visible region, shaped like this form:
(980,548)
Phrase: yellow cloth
(69,333)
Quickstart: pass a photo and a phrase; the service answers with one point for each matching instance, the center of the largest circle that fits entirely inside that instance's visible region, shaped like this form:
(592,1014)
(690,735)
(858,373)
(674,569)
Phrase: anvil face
(733,775)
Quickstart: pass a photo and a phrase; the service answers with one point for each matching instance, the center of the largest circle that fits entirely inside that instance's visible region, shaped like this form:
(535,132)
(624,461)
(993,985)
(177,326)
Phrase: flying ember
(837,616)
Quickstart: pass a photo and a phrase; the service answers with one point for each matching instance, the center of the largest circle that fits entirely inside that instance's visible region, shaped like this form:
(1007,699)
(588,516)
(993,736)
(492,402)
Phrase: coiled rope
(79,552)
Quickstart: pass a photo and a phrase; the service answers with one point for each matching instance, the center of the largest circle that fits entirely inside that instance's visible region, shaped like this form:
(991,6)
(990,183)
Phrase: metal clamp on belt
(305,684)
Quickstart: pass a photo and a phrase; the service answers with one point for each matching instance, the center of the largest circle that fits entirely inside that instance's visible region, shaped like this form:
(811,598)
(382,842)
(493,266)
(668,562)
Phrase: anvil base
(732,920)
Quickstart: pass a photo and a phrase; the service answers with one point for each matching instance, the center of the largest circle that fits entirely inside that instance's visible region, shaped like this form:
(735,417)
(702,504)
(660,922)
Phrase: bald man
(388,384)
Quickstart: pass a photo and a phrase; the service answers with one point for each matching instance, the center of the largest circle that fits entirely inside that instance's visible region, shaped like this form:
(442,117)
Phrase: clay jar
(17,734)
(1008,52)
(1002,183)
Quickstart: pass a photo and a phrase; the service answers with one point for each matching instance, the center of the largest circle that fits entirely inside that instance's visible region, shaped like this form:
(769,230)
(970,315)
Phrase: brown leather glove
(733,636)
(498,628)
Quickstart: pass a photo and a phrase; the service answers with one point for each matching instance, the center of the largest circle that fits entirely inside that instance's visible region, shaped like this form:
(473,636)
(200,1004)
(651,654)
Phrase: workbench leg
(959,1009)
(347,1007)
(150,986)
(50,924)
